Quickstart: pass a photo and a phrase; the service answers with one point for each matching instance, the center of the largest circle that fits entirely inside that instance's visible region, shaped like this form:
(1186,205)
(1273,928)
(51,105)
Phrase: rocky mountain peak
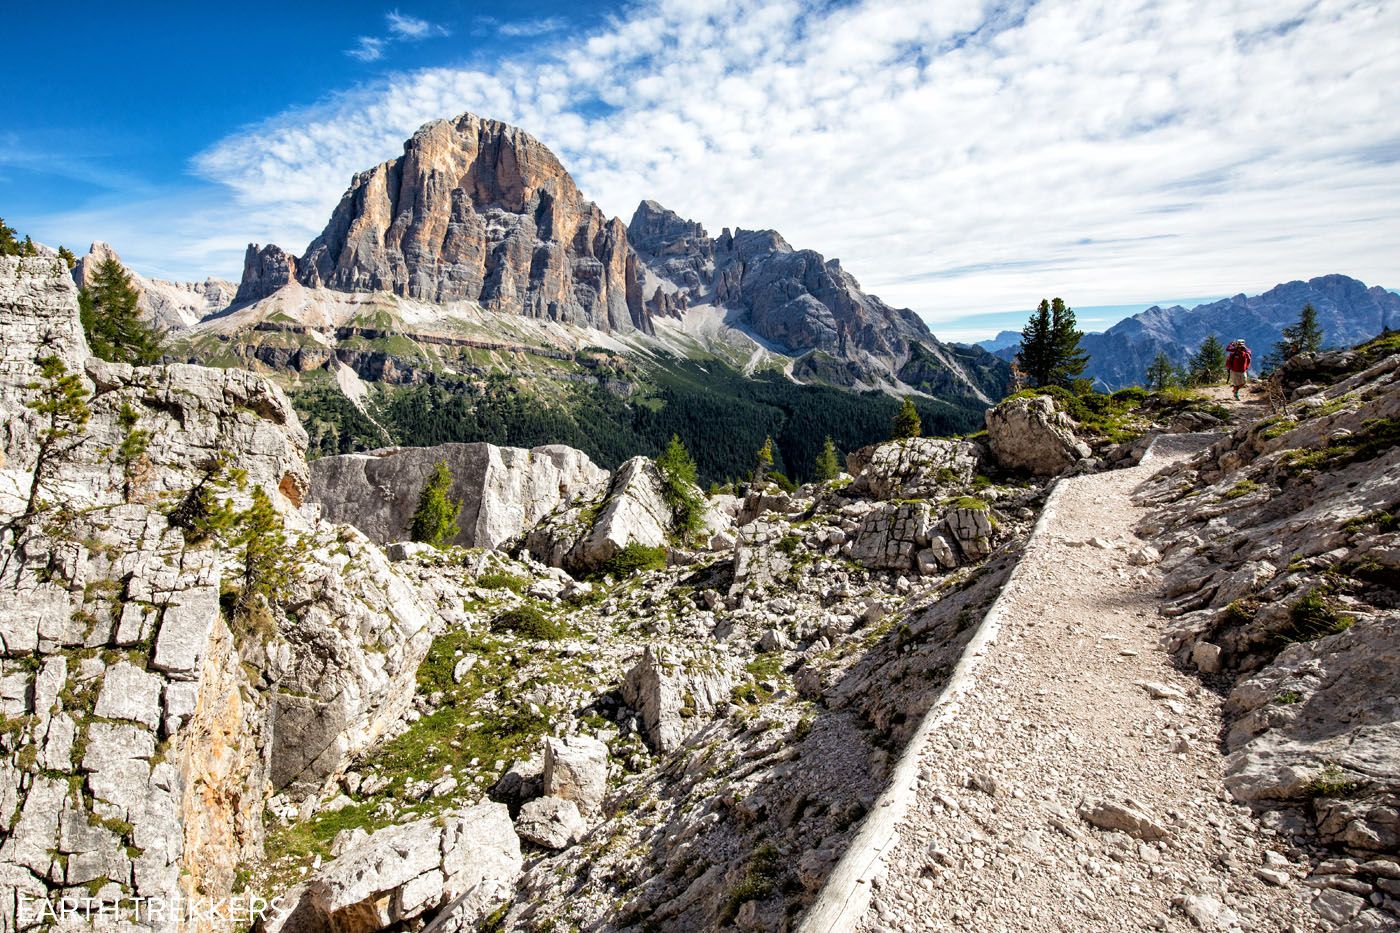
(477,210)
(802,303)
(654,228)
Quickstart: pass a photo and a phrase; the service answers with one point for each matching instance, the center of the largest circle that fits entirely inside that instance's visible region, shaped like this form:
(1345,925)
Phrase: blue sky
(962,158)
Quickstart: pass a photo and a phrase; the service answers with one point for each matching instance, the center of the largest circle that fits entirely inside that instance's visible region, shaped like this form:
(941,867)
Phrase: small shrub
(529,622)
(1313,616)
(760,878)
(634,558)
(1332,782)
(1289,697)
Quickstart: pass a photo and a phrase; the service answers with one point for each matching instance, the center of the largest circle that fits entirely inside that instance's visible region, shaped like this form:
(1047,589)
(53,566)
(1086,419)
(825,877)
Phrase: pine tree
(435,519)
(906,421)
(62,403)
(9,246)
(1068,359)
(1160,373)
(828,467)
(112,320)
(131,452)
(1035,357)
(680,487)
(1207,365)
(763,462)
(67,256)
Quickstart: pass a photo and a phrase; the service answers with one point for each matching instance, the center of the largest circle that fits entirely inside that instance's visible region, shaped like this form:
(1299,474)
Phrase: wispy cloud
(957,156)
(401,28)
(413,28)
(367,49)
(529,28)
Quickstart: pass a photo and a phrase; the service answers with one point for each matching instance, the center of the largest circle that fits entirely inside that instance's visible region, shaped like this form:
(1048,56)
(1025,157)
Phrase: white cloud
(412,27)
(957,156)
(367,49)
(401,28)
(529,28)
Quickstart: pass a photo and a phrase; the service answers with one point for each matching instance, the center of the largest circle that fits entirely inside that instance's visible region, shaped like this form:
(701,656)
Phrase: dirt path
(1075,702)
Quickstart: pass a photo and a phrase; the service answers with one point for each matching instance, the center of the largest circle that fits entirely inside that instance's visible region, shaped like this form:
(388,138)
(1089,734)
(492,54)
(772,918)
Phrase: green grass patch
(1288,697)
(500,580)
(1377,436)
(970,502)
(1243,488)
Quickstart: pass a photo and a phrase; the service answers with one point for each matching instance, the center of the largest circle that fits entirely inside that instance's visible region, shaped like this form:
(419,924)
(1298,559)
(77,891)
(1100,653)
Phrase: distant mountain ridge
(477,213)
(1348,312)
(803,304)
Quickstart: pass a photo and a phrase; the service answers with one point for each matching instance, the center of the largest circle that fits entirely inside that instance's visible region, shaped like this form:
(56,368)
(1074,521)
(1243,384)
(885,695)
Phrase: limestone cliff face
(145,724)
(503,491)
(476,210)
(804,304)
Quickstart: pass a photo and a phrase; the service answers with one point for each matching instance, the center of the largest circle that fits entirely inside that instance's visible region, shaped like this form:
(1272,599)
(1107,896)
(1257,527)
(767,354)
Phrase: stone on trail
(1122,817)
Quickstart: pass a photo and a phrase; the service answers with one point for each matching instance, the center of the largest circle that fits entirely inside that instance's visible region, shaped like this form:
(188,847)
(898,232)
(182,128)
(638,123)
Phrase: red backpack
(1239,360)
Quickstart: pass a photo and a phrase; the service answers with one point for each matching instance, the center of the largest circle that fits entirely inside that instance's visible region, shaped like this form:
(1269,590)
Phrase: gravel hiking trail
(1078,784)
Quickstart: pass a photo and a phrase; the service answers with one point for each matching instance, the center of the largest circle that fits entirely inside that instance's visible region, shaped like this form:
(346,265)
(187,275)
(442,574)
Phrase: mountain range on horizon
(1348,312)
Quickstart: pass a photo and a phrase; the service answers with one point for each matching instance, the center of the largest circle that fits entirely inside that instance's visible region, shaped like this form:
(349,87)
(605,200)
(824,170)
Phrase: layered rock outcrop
(504,491)
(1282,557)
(478,211)
(913,468)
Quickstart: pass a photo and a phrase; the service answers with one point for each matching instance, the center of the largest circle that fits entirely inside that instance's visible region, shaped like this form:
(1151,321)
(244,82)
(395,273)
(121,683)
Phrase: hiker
(1237,363)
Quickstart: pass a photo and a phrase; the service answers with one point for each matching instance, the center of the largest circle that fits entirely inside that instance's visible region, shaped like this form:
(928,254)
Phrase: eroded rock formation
(475,210)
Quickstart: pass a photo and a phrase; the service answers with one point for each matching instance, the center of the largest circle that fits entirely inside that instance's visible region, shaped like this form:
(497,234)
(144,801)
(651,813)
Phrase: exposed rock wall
(631,510)
(503,491)
(1032,435)
(265,270)
(119,662)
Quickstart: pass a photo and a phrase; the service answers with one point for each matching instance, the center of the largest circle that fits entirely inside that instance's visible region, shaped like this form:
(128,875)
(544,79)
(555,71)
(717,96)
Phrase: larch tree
(61,403)
(112,321)
(828,466)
